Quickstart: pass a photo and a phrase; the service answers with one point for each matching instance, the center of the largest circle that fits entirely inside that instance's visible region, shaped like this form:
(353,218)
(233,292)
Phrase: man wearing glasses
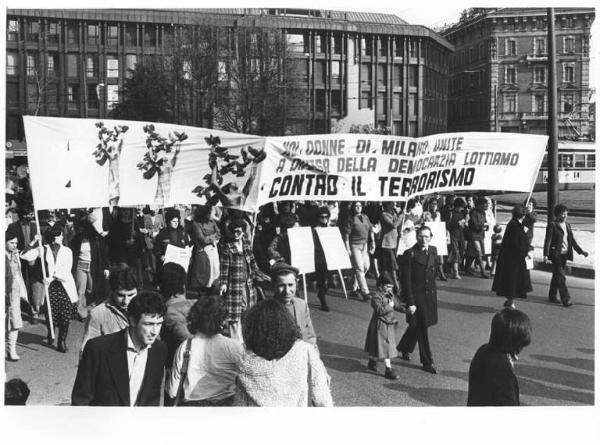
(111,315)
(418,277)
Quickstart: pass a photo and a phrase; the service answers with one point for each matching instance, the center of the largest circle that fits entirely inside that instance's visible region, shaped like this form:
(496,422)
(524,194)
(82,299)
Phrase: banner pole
(304,284)
(343,284)
(44,274)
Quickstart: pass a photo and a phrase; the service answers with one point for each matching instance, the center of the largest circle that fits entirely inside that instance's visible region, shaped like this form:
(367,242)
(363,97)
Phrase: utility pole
(552,119)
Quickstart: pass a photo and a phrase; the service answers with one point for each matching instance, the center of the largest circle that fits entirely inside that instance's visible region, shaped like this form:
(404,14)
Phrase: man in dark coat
(512,278)
(125,368)
(558,247)
(420,266)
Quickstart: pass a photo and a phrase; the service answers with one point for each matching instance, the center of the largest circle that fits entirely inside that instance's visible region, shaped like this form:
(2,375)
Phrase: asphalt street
(557,369)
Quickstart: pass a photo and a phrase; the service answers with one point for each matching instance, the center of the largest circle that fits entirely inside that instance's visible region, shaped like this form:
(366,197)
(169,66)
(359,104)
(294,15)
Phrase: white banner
(94,163)
(302,249)
(355,167)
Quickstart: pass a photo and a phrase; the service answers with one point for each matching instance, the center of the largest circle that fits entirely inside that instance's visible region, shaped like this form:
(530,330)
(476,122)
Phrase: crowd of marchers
(230,330)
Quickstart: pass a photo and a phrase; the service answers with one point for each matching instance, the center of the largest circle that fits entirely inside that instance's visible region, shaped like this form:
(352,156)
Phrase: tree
(147,94)
(260,89)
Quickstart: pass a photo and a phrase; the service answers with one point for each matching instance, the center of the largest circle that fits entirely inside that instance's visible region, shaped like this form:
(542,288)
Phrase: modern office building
(498,78)
(354,68)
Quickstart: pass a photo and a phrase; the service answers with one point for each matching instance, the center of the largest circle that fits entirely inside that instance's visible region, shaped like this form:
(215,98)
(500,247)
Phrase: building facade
(354,68)
(498,78)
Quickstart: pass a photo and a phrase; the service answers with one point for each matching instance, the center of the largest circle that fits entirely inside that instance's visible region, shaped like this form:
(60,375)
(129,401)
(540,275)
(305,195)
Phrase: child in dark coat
(381,336)
(496,244)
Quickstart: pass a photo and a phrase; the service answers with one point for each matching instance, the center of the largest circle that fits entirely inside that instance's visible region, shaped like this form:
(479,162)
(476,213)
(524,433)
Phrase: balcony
(537,57)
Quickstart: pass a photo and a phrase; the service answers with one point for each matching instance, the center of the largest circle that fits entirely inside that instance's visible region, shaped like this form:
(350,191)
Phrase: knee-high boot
(11,345)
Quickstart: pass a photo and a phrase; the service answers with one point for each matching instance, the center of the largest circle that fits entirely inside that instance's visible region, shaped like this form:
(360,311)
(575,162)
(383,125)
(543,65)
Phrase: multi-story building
(498,77)
(355,68)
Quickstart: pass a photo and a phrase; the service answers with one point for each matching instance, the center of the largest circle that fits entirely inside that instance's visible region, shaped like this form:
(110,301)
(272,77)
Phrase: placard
(302,249)
(438,239)
(408,237)
(334,248)
(178,255)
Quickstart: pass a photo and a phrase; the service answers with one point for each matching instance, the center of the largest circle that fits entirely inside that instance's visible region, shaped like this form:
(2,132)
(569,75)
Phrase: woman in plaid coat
(238,273)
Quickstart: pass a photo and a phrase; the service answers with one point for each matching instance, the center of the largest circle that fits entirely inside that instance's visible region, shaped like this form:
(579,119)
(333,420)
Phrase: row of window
(539,105)
(301,43)
(94,34)
(573,160)
(539,73)
(72,96)
(32,64)
(539,23)
(538,47)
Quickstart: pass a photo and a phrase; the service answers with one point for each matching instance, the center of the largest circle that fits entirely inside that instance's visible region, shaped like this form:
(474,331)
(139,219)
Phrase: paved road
(557,369)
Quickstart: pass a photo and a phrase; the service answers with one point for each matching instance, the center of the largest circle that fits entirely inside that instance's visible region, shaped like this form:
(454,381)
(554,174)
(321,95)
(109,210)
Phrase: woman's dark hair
(53,232)
(559,209)
(145,302)
(519,211)
(171,280)
(202,213)
(511,331)
(237,223)
(10,234)
(480,201)
(269,330)
(353,205)
(172,214)
(459,202)
(122,278)
(207,315)
(16,392)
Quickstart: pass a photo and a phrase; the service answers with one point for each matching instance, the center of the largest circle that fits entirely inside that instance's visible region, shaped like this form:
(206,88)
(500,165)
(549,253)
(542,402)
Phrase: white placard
(333,247)
(438,239)
(487,240)
(178,255)
(302,249)
(407,239)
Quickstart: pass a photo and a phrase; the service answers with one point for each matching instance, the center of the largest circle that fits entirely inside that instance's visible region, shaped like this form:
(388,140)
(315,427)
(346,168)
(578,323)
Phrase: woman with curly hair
(214,359)
(279,369)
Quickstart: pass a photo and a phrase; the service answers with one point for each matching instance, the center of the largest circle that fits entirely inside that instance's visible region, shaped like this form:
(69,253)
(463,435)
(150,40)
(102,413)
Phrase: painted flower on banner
(160,159)
(109,148)
(223,163)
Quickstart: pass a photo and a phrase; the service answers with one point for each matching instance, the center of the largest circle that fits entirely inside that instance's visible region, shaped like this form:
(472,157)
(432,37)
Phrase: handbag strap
(184,369)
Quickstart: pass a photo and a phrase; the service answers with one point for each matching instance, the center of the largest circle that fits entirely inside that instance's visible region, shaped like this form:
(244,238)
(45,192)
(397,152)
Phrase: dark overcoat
(418,282)
(512,277)
(103,373)
(492,381)
(381,333)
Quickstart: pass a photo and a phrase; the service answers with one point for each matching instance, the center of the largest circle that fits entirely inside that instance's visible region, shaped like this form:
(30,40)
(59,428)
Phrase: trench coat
(14,291)
(512,277)
(381,333)
(418,278)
